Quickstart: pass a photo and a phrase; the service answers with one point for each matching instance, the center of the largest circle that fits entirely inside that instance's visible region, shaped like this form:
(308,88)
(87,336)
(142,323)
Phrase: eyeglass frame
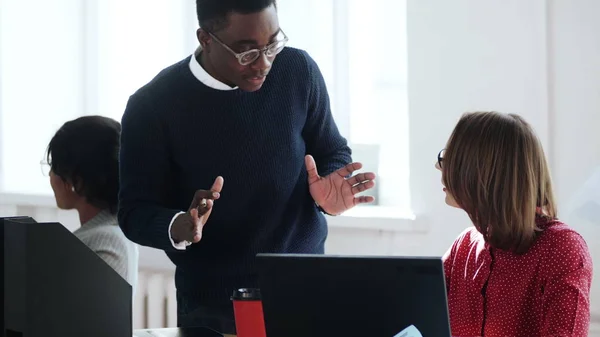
(45,167)
(440,157)
(263,50)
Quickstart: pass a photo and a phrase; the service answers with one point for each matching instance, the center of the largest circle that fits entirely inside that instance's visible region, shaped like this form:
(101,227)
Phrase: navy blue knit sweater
(178,135)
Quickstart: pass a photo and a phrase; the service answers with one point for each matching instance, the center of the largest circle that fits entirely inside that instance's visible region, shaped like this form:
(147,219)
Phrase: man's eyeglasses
(249,56)
(441,157)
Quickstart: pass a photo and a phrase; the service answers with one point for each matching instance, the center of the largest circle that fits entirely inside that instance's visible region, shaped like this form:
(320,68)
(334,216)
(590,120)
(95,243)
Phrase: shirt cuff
(321,210)
(180,245)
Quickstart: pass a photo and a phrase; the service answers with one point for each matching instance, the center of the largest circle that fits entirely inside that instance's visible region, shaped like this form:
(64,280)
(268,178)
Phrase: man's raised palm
(336,192)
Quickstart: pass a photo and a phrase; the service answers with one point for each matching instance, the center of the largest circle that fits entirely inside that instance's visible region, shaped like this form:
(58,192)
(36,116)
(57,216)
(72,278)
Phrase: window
(363,59)
(65,58)
(40,85)
(135,40)
(102,51)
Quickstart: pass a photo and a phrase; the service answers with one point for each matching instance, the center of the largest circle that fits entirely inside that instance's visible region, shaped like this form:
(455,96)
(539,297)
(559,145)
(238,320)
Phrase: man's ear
(204,39)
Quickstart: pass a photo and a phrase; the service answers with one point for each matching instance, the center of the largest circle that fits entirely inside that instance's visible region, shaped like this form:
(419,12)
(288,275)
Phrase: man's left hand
(335,193)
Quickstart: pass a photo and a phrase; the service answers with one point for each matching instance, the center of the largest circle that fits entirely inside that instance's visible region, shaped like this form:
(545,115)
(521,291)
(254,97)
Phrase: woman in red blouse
(519,271)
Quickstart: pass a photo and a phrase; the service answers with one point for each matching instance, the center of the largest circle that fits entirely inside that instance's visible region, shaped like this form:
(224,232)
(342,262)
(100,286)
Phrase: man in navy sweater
(232,111)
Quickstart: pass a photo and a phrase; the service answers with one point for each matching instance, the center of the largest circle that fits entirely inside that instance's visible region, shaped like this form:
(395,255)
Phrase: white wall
(538,58)
(465,55)
(575,87)
(575,114)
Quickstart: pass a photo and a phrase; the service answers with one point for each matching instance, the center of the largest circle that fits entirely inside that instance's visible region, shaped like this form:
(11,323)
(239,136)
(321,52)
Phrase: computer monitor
(54,285)
(321,295)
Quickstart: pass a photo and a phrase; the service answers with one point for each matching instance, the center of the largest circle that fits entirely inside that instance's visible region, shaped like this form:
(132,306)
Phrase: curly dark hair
(85,153)
(212,14)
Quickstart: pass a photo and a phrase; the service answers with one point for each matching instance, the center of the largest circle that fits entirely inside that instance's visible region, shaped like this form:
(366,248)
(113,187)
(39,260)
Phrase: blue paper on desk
(411,331)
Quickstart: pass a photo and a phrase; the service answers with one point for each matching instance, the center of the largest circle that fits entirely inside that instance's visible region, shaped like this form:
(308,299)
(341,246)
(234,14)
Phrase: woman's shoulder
(112,235)
(468,237)
(563,246)
(468,240)
(103,234)
(555,234)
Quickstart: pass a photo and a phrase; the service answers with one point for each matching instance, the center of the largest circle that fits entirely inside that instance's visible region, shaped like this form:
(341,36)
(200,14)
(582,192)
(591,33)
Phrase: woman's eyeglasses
(441,157)
(45,168)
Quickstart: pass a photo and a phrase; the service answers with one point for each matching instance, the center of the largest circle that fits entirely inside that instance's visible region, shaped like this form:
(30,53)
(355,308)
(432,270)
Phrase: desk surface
(178,332)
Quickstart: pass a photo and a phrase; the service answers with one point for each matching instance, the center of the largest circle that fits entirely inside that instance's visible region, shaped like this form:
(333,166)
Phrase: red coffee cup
(248,311)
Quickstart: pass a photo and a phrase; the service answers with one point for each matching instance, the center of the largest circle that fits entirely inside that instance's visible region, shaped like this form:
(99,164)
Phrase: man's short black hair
(85,152)
(212,14)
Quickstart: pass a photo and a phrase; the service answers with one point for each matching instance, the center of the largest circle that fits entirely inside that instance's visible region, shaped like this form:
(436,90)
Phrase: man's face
(244,32)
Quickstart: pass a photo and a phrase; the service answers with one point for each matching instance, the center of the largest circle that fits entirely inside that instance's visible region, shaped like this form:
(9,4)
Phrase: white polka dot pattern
(544,292)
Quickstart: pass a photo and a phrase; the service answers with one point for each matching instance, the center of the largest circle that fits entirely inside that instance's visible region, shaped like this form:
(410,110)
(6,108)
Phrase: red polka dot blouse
(544,292)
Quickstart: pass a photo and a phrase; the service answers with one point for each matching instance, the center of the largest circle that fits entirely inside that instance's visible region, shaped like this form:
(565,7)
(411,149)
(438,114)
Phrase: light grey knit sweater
(103,235)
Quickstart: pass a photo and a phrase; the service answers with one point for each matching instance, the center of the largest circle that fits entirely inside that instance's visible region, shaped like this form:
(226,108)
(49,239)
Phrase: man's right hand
(188,226)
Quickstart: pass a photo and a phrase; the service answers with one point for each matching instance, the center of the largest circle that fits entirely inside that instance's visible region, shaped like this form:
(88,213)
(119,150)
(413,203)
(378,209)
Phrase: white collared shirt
(204,77)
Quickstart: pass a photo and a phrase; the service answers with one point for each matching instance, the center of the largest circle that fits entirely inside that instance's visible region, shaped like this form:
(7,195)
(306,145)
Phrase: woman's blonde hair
(495,168)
